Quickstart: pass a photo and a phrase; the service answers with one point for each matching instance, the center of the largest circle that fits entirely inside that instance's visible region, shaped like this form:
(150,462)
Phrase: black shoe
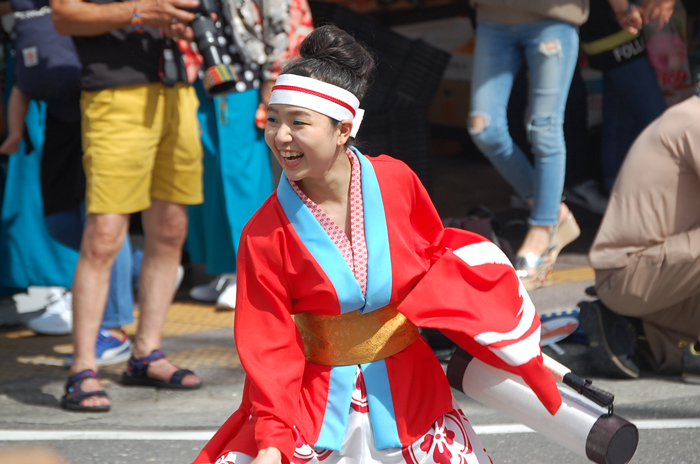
(643,357)
(591,291)
(611,340)
(691,364)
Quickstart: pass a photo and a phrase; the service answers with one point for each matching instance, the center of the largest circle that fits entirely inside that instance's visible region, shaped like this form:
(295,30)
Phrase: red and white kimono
(447,279)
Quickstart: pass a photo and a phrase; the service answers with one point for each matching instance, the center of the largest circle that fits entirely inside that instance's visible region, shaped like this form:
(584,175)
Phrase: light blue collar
(322,248)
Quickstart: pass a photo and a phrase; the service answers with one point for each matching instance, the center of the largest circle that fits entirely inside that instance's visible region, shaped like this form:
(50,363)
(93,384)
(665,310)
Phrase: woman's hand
(630,19)
(659,10)
(268,456)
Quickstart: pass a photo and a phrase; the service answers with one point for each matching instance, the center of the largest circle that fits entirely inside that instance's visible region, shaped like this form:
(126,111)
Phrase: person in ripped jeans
(545,34)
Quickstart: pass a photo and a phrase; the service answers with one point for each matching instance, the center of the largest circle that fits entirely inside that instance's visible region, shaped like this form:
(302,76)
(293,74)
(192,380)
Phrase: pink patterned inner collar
(354,251)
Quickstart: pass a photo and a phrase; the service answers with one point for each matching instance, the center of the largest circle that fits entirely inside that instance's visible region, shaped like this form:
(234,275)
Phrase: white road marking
(131,435)
(204,435)
(658,424)
(643,424)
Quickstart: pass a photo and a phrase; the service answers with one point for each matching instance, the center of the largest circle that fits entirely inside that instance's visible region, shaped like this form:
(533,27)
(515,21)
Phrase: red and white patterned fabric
(322,97)
(354,251)
(450,440)
(307,92)
(359,401)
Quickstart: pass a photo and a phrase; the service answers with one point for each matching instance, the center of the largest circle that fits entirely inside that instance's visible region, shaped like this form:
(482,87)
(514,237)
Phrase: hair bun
(329,43)
(331,55)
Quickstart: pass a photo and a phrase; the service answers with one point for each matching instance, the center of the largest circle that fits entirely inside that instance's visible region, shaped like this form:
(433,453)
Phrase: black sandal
(74,395)
(137,374)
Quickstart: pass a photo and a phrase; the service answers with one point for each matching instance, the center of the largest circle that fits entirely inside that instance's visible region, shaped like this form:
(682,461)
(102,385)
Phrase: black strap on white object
(585,388)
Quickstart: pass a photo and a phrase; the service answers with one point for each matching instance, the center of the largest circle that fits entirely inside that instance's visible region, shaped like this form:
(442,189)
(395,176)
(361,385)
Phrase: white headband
(325,98)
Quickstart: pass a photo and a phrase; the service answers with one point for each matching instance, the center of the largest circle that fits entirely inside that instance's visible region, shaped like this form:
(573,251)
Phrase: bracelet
(630,9)
(136,21)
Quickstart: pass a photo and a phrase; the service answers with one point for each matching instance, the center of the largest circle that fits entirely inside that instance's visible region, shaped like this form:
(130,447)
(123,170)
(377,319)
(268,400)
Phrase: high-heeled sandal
(535,271)
(567,232)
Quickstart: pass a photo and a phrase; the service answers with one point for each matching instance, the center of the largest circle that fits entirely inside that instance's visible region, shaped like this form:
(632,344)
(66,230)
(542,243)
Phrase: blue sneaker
(108,349)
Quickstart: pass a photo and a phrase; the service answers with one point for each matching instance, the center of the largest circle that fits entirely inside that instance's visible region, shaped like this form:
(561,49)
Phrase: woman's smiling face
(306,143)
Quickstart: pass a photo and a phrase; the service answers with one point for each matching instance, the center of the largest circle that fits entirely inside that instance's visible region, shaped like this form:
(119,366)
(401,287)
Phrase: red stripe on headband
(317,94)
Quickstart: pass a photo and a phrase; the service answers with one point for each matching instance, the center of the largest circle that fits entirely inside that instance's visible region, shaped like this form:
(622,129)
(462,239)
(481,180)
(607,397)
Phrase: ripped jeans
(551,49)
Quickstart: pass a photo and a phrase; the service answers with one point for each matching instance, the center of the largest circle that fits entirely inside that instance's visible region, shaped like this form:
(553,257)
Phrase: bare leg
(17,108)
(102,238)
(165,230)
(3,118)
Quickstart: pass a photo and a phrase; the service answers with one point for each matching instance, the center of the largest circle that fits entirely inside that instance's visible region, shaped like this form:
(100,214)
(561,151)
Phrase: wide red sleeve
(268,342)
(472,294)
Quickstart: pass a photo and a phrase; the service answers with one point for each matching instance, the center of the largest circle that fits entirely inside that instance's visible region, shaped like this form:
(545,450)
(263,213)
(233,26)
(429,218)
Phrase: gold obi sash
(354,337)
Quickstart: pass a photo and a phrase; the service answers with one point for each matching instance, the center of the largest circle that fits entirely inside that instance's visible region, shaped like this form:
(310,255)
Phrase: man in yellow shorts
(142,152)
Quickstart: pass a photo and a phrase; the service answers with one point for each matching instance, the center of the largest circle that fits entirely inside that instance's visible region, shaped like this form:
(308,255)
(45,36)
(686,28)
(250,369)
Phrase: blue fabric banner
(28,254)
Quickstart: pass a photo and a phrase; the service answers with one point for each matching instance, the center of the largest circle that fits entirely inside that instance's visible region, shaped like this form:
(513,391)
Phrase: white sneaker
(210,292)
(58,317)
(108,349)
(36,298)
(227,299)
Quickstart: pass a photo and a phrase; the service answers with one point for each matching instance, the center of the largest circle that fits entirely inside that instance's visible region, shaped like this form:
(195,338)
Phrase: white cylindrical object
(579,425)
(557,369)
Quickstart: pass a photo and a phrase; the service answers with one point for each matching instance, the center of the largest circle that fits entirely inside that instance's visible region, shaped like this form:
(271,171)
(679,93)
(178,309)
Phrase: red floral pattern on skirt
(450,440)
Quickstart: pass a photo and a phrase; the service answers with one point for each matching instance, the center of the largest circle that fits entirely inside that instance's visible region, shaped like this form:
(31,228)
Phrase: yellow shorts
(141,142)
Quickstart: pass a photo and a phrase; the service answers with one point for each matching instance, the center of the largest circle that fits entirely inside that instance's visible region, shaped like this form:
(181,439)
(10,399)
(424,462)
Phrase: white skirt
(450,440)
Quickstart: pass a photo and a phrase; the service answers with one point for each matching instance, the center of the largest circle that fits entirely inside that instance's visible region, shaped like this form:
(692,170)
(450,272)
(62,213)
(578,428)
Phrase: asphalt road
(172,428)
